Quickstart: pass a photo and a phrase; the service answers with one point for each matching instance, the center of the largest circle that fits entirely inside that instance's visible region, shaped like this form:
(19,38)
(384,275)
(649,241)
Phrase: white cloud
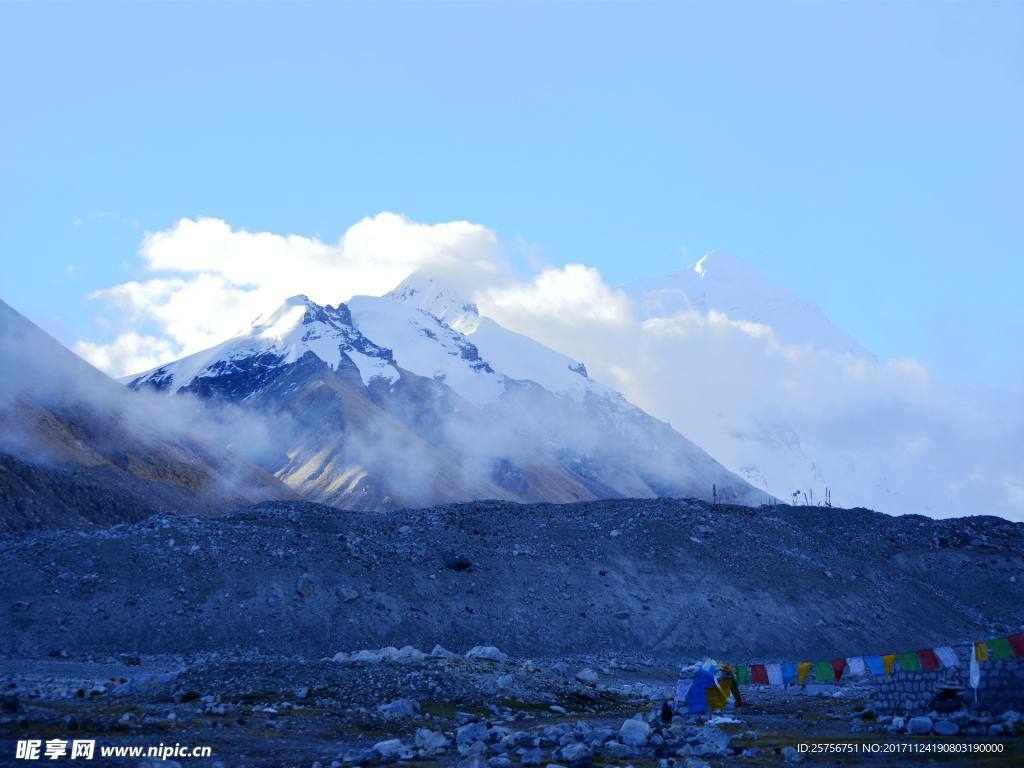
(784,411)
(128,353)
(573,295)
(209,280)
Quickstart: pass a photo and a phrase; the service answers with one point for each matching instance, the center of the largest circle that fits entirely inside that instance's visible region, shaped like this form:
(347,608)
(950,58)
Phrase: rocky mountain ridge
(377,403)
(78,449)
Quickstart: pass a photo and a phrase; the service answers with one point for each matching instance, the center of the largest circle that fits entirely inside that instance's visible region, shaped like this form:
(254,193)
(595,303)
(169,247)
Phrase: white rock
(587,676)
(487,653)
(471,732)
(340,656)
(400,708)
(410,653)
(388,748)
(724,720)
(430,741)
(616,750)
(790,755)
(573,752)
(440,652)
(714,742)
(367,657)
(634,732)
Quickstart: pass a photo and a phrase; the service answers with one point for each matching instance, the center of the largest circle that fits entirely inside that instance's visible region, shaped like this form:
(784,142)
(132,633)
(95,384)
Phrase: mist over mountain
(381,403)
(76,448)
(753,373)
(761,378)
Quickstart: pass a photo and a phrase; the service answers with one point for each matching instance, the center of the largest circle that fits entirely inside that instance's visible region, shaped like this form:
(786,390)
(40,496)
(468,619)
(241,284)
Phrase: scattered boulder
(389,749)
(532,756)
(409,653)
(791,755)
(714,742)
(305,586)
(400,708)
(918,726)
(587,676)
(616,750)
(574,752)
(367,657)
(471,732)
(487,653)
(946,728)
(635,732)
(429,742)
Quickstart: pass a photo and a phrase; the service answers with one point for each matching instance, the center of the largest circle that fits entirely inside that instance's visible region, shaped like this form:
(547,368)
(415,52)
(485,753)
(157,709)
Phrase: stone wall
(908,693)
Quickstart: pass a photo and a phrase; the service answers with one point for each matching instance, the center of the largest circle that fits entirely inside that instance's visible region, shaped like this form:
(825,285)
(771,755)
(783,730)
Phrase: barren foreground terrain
(244,633)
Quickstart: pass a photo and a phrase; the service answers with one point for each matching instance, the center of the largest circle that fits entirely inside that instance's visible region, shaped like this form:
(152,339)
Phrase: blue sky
(866,155)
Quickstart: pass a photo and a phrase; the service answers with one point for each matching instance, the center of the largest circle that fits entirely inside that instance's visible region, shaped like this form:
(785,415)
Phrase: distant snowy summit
(725,283)
(414,398)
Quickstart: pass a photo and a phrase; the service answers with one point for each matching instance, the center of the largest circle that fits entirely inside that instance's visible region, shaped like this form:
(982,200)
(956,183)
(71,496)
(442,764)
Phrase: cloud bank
(210,281)
(794,414)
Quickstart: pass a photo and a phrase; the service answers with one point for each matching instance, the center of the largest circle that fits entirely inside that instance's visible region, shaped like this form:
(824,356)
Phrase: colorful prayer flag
(788,673)
(801,671)
(775,674)
(947,656)
(838,665)
(1001,648)
(715,698)
(855,666)
(875,664)
(929,661)
(823,672)
(1017,643)
(702,694)
(909,662)
(743,675)
(981,650)
(887,661)
(758,674)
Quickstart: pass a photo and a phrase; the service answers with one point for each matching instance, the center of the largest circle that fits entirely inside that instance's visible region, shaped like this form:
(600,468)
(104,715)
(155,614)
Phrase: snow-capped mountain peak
(283,320)
(722,265)
(517,356)
(433,295)
(434,413)
(297,327)
(724,283)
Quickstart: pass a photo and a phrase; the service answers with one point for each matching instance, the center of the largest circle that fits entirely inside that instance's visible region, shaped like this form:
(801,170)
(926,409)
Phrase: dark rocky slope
(669,578)
(77,448)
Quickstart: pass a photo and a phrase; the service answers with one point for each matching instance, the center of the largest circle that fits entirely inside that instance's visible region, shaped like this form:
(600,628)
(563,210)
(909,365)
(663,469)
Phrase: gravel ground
(258,711)
(243,633)
(674,579)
